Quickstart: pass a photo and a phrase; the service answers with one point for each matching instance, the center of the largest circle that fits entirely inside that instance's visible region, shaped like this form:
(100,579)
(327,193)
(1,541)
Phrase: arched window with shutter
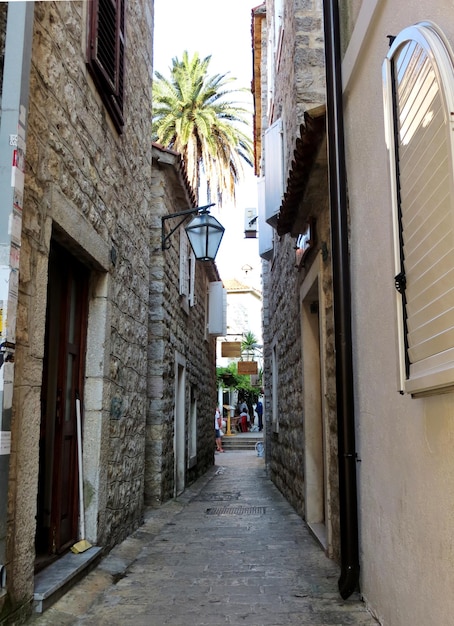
(418,76)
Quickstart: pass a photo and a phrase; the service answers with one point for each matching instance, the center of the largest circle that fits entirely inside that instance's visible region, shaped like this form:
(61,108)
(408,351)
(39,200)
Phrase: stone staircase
(241,441)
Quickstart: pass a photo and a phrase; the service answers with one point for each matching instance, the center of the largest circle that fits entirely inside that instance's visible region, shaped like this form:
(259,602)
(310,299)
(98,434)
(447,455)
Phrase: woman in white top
(217,429)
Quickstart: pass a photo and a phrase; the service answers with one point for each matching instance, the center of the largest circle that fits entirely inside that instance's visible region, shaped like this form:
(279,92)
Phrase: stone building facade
(99,319)
(298,319)
(182,350)
(83,275)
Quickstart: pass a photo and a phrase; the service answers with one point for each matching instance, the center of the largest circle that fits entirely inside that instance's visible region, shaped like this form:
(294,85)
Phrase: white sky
(222,30)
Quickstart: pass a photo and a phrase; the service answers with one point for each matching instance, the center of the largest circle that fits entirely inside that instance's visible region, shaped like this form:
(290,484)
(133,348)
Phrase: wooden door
(66,322)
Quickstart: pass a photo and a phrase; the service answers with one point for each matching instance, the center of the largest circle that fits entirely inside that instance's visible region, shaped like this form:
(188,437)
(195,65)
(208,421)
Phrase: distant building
(244,314)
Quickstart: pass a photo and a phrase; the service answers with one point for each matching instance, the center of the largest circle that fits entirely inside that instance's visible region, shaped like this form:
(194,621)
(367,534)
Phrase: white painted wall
(244,314)
(405,445)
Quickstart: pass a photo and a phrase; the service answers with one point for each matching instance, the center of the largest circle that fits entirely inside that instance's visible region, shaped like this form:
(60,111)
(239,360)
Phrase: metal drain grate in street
(237,510)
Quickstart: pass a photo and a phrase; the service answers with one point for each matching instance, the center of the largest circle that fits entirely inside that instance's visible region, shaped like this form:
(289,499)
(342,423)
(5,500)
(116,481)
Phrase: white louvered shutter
(191,276)
(184,265)
(425,151)
(274,171)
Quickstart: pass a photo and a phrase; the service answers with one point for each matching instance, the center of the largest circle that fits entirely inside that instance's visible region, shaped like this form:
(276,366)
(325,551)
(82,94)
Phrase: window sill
(435,375)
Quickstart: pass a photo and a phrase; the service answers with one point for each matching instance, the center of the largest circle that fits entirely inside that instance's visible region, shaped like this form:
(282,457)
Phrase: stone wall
(299,82)
(88,187)
(283,330)
(299,85)
(285,451)
(176,330)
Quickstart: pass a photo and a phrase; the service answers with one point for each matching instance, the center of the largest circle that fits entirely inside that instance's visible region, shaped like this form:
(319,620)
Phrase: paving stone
(230,551)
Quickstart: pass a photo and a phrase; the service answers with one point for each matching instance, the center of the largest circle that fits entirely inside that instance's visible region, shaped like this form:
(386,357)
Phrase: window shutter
(217,309)
(106,53)
(184,269)
(191,274)
(274,171)
(265,230)
(427,204)
(422,68)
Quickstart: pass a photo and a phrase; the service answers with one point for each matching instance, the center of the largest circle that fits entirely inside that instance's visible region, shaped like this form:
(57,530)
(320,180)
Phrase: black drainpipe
(348,581)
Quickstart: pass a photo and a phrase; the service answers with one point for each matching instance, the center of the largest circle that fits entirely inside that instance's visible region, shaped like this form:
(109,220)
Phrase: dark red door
(66,322)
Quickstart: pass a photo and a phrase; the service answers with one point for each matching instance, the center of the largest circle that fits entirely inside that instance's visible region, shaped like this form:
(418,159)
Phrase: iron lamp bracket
(165,243)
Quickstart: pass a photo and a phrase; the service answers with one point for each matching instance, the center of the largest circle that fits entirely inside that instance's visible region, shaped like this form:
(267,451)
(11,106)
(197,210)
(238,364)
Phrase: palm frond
(194,114)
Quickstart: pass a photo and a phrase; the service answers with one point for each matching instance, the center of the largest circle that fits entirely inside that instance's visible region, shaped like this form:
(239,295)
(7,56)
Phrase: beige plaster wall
(405,445)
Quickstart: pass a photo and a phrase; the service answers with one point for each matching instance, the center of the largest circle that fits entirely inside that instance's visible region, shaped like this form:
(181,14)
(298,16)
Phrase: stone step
(240,442)
(244,445)
(55,580)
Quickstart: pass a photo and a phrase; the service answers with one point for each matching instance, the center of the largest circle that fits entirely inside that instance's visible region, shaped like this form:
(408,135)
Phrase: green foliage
(228,378)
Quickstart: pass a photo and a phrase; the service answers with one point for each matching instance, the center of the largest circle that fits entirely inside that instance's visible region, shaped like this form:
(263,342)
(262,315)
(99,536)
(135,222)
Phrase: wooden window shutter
(424,168)
(106,52)
(184,263)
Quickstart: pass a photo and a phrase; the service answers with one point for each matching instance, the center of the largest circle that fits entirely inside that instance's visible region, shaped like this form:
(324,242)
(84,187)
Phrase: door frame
(180,425)
(314,406)
(65,343)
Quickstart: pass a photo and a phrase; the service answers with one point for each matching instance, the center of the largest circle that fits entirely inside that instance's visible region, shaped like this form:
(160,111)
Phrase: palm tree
(249,344)
(191,115)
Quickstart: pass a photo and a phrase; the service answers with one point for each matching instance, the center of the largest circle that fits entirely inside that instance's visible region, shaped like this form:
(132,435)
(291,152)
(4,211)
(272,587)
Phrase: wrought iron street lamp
(204,232)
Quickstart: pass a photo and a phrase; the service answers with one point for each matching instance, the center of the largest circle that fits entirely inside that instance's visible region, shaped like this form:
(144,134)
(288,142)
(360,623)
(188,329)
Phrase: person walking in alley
(259,409)
(218,429)
(244,420)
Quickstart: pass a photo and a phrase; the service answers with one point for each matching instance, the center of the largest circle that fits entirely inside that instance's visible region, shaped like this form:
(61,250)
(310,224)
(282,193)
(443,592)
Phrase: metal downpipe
(349,578)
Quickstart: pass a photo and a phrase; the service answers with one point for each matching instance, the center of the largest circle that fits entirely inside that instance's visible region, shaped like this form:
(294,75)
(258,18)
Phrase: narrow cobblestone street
(230,550)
